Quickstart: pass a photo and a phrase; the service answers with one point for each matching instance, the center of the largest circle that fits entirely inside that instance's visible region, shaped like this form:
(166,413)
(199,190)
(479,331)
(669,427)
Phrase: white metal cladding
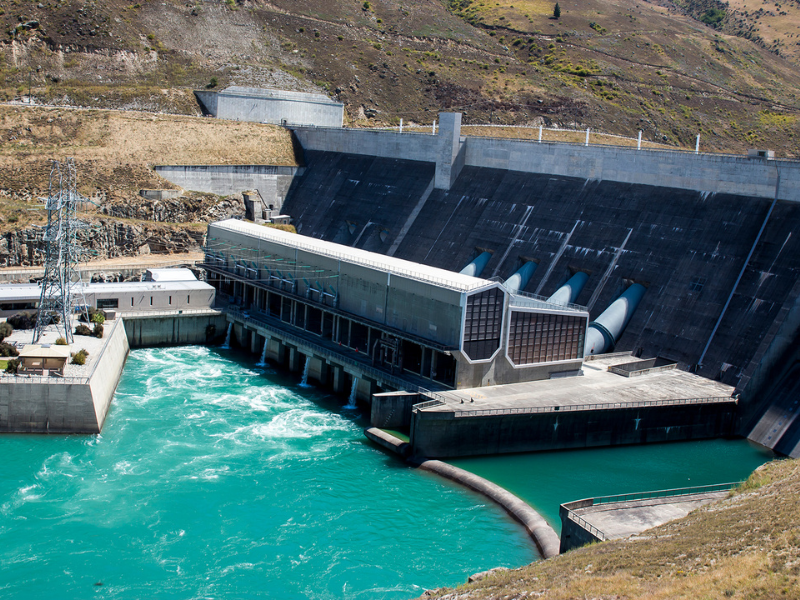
(500,325)
(387,264)
(582,315)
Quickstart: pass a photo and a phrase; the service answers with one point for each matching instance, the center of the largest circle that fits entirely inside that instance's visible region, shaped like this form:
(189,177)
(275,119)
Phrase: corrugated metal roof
(389,264)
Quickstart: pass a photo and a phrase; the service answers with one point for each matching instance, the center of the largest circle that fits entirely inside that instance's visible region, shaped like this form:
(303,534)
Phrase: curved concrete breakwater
(544,536)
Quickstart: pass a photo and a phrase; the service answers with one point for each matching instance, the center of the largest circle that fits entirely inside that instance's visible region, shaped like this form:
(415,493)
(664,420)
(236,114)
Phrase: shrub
(7,349)
(23,320)
(12,366)
(5,330)
(61,342)
(82,329)
(79,358)
(95,315)
(98,330)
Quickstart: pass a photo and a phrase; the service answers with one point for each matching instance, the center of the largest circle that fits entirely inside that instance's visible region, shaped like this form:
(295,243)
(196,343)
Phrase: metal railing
(52,379)
(586,525)
(267,285)
(634,497)
(523,299)
(167,312)
(596,406)
(677,492)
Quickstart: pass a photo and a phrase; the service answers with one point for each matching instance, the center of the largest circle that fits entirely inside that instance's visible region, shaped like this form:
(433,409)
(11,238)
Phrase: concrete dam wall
(720,267)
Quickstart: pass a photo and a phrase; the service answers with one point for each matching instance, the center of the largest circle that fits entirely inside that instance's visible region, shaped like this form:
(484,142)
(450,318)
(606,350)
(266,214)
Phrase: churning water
(215,480)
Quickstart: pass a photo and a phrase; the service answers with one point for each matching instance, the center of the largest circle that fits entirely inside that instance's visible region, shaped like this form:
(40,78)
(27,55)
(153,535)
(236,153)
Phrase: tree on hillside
(557,12)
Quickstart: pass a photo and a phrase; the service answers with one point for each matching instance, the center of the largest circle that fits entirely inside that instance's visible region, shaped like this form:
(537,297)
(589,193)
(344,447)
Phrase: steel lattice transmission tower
(62,288)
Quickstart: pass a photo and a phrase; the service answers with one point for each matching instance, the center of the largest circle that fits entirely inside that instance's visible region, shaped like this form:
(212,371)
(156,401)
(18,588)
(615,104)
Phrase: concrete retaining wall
(384,144)
(574,535)
(172,329)
(272,182)
(441,434)
(392,410)
(53,407)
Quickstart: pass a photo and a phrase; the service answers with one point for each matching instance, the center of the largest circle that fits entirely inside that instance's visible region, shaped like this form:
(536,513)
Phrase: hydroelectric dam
(462,285)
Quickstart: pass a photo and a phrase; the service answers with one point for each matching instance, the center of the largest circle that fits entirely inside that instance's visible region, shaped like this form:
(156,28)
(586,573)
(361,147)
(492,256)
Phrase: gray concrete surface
(624,519)
(597,386)
(272,182)
(264,105)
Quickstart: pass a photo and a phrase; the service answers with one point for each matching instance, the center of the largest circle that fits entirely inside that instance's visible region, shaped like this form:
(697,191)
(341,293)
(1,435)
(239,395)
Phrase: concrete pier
(68,404)
(599,408)
(614,517)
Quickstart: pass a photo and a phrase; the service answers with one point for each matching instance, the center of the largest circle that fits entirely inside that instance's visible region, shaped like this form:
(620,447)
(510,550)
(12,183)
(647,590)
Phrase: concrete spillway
(604,331)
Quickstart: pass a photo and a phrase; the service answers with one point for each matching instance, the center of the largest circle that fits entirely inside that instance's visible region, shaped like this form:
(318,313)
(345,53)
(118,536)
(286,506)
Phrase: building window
(107,303)
(131,301)
(543,337)
(188,299)
(151,301)
(170,300)
(484,318)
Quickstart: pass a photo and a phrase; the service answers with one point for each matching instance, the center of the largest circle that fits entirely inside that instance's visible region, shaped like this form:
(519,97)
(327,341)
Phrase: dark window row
(483,324)
(542,337)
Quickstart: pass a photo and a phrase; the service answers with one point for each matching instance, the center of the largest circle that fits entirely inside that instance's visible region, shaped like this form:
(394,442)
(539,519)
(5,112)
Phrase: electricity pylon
(62,288)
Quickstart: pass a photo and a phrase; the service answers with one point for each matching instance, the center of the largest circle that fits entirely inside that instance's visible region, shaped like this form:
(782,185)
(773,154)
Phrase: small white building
(122,297)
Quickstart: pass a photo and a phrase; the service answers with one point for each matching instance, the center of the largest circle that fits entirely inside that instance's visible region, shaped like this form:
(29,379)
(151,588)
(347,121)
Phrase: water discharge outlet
(606,330)
(262,362)
(568,293)
(304,378)
(351,402)
(227,343)
(477,265)
(521,277)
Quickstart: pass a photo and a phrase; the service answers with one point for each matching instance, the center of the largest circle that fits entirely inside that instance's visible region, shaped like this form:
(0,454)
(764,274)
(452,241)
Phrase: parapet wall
(709,173)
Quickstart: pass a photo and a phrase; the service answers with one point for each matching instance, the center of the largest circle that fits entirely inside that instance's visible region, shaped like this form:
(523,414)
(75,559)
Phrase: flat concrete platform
(596,389)
(624,519)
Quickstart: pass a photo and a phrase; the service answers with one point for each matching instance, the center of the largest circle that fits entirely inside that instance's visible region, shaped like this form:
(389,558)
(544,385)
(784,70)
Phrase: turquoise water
(547,479)
(214,479)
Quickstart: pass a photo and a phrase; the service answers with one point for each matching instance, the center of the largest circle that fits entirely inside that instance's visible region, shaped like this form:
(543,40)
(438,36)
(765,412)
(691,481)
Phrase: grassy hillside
(746,546)
(668,67)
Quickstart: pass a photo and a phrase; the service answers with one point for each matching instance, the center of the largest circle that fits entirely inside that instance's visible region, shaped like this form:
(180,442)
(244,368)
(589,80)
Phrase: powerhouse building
(456,330)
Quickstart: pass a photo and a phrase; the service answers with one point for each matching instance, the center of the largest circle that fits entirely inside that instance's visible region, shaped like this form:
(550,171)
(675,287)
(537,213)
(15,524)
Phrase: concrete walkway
(624,519)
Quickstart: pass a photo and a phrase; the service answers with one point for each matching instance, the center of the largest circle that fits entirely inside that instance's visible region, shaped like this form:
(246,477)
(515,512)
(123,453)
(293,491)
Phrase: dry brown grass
(124,138)
(746,546)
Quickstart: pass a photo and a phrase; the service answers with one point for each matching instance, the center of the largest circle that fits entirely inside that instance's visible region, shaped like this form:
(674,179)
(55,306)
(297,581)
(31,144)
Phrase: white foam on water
(124,467)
